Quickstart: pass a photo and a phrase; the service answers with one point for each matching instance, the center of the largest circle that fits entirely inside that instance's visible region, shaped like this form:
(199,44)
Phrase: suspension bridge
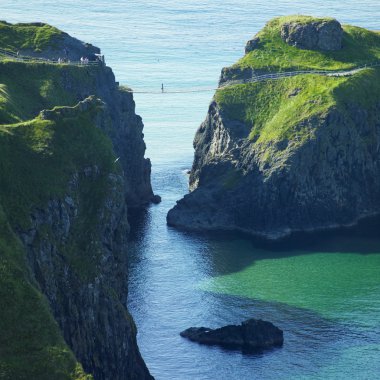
(5,54)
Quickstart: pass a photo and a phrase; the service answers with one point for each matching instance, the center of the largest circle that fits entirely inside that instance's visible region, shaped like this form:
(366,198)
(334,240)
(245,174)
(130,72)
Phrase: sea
(322,291)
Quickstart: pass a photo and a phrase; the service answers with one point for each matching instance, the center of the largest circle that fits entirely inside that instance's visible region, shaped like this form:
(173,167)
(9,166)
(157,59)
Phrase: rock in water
(252,334)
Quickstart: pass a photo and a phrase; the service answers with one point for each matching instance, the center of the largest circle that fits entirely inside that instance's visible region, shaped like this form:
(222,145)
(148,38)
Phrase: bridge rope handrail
(263,77)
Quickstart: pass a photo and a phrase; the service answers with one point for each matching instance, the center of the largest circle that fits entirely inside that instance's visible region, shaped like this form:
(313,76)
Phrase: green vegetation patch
(27,88)
(31,346)
(38,159)
(360,47)
(275,109)
(35,36)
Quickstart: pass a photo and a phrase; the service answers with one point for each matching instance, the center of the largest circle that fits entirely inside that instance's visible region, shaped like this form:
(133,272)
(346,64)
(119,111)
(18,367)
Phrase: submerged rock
(252,334)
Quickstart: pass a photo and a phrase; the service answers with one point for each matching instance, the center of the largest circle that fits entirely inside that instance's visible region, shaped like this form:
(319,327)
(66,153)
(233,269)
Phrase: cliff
(71,163)
(292,154)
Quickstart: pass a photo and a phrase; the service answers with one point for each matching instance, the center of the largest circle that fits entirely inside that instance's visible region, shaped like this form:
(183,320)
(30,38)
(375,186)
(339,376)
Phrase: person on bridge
(162,87)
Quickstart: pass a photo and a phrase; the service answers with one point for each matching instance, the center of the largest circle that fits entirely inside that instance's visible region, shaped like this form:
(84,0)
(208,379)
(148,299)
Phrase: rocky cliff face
(125,128)
(77,253)
(68,176)
(332,180)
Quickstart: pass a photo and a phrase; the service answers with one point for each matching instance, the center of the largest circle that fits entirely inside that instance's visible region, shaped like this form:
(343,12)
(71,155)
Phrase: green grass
(31,345)
(27,88)
(36,37)
(39,157)
(275,109)
(360,47)
(37,160)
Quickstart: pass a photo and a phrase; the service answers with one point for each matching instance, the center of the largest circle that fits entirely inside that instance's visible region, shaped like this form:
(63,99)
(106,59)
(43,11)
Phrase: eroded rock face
(125,128)
(317,35)
(273,189)
(252,334)
(87,296)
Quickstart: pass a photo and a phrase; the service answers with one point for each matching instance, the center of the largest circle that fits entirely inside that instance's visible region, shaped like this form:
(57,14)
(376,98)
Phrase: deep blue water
(324,294)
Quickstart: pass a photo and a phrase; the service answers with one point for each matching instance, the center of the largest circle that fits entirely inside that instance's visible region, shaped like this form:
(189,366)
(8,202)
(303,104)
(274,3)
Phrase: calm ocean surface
(324,293)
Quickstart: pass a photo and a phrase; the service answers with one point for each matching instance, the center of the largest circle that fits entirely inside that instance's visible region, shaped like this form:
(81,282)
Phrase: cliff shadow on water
(310,286)
(231,252)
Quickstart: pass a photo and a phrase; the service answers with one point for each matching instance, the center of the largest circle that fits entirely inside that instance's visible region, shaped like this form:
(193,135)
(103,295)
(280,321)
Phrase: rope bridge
(254,79)
(264,77)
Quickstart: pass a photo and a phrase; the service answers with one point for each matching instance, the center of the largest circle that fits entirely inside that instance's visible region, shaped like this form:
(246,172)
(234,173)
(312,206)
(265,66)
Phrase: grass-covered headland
(38,157)
(32,36)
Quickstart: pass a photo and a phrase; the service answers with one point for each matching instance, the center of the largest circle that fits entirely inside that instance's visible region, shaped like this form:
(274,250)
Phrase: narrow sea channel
(324,293)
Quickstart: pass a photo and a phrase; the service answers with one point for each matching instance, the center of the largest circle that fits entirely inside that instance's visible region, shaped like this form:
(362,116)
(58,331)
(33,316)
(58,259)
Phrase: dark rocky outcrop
(125,128)
(333,180)
(316,35)
(231,74)
(252,44)
(252,334)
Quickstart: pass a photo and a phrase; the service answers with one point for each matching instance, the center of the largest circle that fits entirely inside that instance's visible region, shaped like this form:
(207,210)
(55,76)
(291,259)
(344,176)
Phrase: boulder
(252,45)
(252,334)
(324,35)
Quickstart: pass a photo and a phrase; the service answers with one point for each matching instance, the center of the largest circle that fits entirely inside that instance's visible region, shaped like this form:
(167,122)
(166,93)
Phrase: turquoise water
(323,292)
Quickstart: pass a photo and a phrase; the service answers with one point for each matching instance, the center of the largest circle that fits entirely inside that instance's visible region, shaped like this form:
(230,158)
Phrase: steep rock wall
(274,189)
(76,248)
(125,128)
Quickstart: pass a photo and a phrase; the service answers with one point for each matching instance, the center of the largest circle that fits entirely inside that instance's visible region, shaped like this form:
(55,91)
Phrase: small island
(251,335)
(291,139)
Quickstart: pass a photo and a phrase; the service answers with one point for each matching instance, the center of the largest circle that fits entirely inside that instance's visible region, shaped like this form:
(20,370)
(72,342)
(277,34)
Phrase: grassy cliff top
(34,36)
(27,88)
(39,155)
(360,46)
(275,109)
